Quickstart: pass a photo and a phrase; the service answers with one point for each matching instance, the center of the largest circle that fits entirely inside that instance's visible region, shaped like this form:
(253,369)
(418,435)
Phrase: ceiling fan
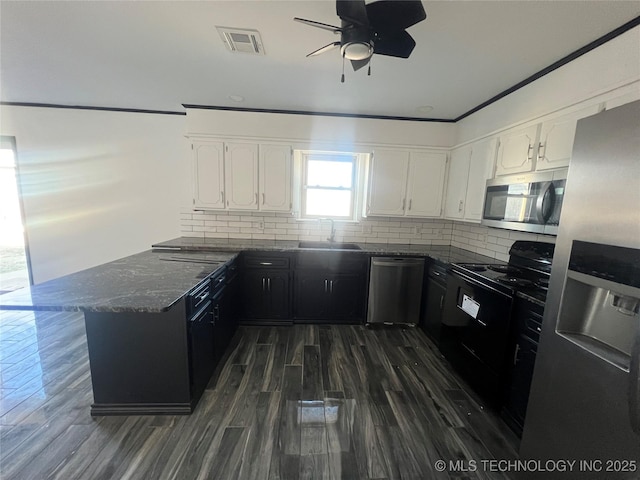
(373,28)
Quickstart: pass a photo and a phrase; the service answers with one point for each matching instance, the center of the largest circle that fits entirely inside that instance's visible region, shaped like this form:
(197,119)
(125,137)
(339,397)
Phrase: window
(329,185)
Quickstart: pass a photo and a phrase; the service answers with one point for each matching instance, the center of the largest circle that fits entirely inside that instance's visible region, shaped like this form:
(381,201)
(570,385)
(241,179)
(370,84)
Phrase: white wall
(97,185)
(595,75)
(319,130)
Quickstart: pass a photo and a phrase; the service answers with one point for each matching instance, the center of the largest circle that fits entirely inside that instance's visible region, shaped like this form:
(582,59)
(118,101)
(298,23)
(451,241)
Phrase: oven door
(475,332)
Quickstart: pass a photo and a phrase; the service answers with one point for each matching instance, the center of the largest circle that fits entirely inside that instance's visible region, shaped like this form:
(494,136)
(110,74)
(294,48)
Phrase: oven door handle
(544,202)
(471,281)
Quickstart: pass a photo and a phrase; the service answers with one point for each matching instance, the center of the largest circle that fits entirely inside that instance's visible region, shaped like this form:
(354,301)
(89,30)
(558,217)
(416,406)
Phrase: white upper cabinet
(275,178)
(457,183)
(556,139)
(241,176)
(388,183)
(469,169)
(406,183)
(208,175)
(483,156)
(425,184)
(516,151)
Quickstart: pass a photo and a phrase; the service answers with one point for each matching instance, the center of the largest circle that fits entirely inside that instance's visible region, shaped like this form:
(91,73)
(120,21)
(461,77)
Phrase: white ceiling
(161,55)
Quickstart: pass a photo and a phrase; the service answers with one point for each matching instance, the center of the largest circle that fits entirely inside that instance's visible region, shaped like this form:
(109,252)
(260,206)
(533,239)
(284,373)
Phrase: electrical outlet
(261,225)
(415,230)
(368,229)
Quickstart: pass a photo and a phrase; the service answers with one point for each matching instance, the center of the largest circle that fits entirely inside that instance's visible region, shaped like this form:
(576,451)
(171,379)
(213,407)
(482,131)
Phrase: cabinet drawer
(265,261)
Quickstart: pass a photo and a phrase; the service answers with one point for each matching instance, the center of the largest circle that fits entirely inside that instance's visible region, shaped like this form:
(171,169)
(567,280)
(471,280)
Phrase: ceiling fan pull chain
(342,78)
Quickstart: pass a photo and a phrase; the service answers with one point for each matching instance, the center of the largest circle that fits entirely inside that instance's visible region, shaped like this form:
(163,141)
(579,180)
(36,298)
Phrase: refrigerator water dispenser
(600,304)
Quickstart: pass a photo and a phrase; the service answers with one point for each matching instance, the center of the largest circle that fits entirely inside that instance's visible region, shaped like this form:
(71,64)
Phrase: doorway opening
(15,269)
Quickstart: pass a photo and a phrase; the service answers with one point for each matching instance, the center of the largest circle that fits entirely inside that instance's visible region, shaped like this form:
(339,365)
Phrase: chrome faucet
(332,237)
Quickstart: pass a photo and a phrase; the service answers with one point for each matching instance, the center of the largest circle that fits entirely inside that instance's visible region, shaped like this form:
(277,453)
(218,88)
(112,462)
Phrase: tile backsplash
(492,242)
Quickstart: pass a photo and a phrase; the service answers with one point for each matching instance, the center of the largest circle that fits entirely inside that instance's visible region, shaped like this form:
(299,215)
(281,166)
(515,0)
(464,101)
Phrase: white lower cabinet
(406,183)
(457,183)
(241,176)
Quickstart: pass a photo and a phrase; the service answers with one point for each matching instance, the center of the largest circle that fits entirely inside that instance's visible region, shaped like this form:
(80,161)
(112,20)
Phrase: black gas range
(479,319)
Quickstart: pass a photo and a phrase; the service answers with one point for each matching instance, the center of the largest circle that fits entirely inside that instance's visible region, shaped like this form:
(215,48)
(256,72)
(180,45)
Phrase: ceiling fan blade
(394,15)
(358,64)
(398,45)
(353,11)
(313,23)
(326,48)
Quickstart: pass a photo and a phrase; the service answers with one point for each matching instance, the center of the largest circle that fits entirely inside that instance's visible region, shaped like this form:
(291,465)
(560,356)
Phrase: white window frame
(358,186)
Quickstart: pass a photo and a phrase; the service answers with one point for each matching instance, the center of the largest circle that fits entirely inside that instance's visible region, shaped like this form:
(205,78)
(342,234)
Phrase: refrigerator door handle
(634,385)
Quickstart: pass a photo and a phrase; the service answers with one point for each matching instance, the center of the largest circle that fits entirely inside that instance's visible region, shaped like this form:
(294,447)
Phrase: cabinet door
(275,178)
(432,315)
(347,297)
(483,155)
(208,175)
(241,176)
(556,139)
(388,182)
(516,151)
(277,298)
(311,290)
(253,293)
(457,183)
(425,184)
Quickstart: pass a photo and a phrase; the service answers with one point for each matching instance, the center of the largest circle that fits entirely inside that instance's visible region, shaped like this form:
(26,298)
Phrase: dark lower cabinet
(202,351)
(264,288)
(265,294)
(153,363)
(433,301)
(528,324)
(328,297)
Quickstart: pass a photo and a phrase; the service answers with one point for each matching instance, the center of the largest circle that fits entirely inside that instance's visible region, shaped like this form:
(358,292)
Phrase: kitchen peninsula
(151,318)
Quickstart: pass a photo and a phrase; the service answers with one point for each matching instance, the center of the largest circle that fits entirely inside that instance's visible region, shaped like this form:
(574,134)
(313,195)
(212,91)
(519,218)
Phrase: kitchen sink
(330,245)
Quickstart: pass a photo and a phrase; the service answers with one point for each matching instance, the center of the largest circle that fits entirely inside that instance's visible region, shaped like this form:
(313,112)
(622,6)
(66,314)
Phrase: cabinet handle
(403,203)
(460,206)
(410,200)
(269,284)
(515,353)
(325,285)
(542,149)
(256,198)
(530,152)
(263,282)
(263,198)
(222,193)
(266,263)
(441,300)
(331,286)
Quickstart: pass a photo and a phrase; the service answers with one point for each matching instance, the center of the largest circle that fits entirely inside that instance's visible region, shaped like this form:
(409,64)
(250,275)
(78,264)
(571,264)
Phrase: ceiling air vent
(241,40)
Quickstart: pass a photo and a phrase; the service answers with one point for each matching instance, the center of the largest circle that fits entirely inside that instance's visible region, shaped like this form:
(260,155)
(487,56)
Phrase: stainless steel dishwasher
(395,290)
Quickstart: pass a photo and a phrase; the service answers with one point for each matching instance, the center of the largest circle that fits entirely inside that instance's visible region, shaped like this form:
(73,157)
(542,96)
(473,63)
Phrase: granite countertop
(154,280)
(150,281)
(443,254)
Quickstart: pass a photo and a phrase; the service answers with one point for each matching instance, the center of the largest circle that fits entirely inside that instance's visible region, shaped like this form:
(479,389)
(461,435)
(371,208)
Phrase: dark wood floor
(290,402)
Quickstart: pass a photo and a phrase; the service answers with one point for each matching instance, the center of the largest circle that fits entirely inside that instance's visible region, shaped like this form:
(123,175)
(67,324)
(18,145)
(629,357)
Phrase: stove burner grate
(504,269)
(515,281)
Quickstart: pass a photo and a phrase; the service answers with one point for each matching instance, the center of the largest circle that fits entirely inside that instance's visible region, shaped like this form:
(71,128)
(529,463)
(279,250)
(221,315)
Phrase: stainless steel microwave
(529,202)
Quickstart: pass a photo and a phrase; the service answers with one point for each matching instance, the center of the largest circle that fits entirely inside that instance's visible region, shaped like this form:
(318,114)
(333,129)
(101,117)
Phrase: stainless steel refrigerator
(584,401)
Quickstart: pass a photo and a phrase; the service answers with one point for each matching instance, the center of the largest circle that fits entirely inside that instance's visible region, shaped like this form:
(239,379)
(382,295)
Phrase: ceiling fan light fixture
(357,50)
